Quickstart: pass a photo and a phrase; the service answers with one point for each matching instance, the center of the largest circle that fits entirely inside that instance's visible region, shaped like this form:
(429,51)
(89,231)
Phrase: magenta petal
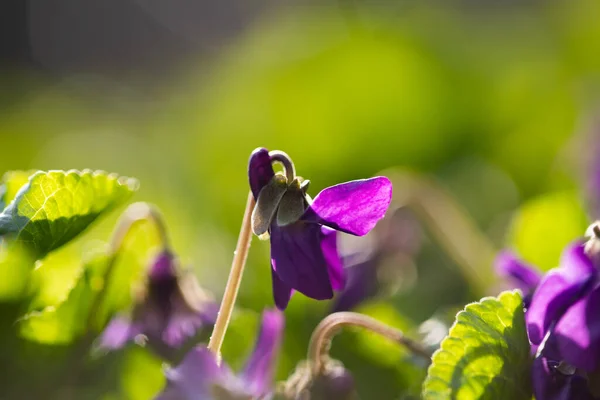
(298,260)
(558,290)
(195,376)
(260,170)
(258,373)
(117,333)
(335,268)
(352,207)
(182,326)
(578,332)
(282,293)
(522,275)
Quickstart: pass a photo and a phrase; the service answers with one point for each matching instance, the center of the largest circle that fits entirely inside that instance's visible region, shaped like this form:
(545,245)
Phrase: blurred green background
(492,102)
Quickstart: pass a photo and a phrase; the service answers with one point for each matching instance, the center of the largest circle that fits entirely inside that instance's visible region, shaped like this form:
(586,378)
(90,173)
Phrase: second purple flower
(302,231)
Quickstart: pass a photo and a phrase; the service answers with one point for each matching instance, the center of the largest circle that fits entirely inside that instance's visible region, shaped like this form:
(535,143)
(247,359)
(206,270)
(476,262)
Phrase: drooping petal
(175,307)
(298,260)
(195,377)
(522,275)
(551,384)
(282,293)
(558,290)
(578,332)
(181,326)
(335,267)
(258,373)
(361,285)
(117,333)
(260,170)
(352,207)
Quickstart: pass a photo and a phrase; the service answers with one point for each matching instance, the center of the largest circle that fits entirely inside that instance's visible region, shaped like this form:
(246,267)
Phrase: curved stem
(285,160)
(323,334)
(135,213)
(233,282)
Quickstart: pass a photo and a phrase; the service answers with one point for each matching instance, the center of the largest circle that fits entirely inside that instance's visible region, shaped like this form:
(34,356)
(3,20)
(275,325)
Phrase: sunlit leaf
(56,206)
(486,354)
(12,181)
(545,225)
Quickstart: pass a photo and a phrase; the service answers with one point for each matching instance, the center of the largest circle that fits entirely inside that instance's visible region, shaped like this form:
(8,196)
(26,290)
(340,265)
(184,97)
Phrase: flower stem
(135,213)
(323,334)
(285,160)
(233,282)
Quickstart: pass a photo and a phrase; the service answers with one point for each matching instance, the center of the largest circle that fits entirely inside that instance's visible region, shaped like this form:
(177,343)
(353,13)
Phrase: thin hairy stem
(233,282)
(321,338)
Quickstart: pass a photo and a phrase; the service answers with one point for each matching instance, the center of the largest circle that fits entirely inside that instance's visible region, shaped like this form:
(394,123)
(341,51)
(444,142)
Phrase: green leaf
(12,181)
(486,354)
(542,227)
(56,206)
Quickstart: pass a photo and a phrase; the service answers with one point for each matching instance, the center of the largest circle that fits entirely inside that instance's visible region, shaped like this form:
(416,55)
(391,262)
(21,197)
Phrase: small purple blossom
(302,231)
(563,322)
(170,309)
(200,377)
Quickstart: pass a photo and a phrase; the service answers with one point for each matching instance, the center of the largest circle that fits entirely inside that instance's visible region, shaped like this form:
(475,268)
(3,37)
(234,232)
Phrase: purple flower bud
(171,309)
(304,254)
(335,383)
(199,376)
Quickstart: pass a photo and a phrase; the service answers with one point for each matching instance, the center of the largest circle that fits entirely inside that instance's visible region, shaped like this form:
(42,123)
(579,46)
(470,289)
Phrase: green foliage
(56,206)
(486,354)
(543,226)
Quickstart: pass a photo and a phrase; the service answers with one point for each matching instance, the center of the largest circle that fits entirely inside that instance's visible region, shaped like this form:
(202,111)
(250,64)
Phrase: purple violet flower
(563,324)
(170,309)
(200,377)
(302,231)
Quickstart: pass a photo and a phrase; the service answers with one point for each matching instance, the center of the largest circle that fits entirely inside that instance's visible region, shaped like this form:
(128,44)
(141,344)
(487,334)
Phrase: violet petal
(522,275)
(335,268)
(352,207)
(260,170)
(550,384)
(578,332)
(195,376)
(298,260)
(558,290)
(282,292)
(258,372)
(117,333)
